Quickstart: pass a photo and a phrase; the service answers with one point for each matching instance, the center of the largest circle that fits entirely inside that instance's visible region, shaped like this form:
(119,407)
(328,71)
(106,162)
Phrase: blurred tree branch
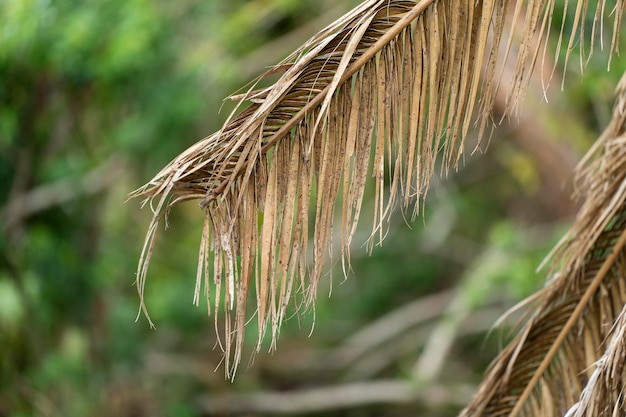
(337,397)
(43,197)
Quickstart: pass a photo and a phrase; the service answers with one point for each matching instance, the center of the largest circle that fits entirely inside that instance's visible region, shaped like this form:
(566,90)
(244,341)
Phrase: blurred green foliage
(83,85)
(95,97)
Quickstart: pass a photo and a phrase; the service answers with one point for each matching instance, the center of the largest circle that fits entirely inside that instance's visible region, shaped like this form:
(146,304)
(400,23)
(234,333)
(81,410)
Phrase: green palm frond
(386,92)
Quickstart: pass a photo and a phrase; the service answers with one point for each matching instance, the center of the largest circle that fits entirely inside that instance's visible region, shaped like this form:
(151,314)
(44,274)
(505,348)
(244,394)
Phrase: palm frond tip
(400,81)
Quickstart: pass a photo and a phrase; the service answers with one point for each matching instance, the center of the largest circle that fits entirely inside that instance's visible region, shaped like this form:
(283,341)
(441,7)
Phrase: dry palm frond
(544,369)
(604,393)
(381,92)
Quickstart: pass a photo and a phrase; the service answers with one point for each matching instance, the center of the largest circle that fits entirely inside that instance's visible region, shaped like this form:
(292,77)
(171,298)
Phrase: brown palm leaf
(379,93)
(544,370)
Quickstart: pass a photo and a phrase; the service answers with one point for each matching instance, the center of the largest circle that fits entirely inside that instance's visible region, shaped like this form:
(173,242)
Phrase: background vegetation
(96,96)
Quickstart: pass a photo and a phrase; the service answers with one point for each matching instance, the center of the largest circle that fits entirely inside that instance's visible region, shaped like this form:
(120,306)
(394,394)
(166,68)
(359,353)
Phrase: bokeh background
(96,96)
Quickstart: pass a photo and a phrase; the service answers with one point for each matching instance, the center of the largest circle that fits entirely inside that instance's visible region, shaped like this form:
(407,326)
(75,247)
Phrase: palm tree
(391,90)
